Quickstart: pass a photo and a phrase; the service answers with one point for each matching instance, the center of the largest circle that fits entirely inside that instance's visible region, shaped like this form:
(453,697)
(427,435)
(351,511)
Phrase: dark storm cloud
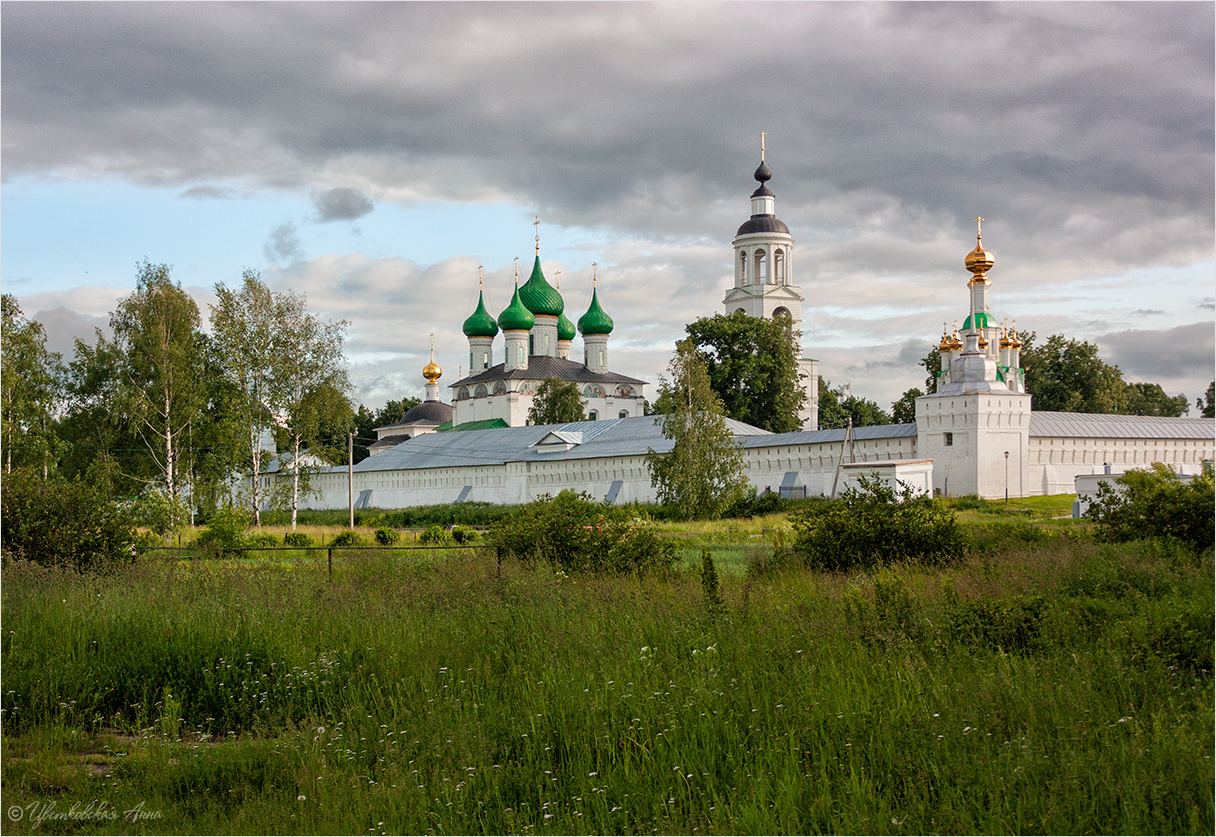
(1082,127)
(1187,351)
(342,204)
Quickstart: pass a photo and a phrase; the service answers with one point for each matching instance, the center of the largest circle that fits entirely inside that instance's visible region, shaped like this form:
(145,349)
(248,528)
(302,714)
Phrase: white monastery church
(975,434)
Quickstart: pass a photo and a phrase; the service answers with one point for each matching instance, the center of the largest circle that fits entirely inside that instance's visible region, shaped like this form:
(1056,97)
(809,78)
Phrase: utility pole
(350,476)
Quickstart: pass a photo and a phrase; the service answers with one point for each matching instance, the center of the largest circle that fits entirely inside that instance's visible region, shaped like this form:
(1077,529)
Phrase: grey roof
(433,412)
(541,367)
(762,224)
(614,437)
(818,437)
(1094,426)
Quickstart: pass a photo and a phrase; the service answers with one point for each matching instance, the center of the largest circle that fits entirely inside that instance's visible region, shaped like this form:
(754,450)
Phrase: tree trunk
(295,480)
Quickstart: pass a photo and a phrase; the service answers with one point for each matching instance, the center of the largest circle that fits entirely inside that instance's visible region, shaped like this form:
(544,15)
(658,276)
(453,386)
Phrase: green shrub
(261,539)
(386,536)
(297,539)
(1008,624)
(463,535)
(574,533)
(347,538)
(1156,503)
(873,526)
(57,522)
(225,529)
(435,535)
(710,588)
(160,512)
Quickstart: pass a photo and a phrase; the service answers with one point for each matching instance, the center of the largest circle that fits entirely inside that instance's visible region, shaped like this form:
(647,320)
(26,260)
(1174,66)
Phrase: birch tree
(702,475)
(245,327)
(156,328)
(312,388)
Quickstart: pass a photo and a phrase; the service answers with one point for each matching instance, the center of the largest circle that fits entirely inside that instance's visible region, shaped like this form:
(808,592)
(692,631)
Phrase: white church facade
(975,434)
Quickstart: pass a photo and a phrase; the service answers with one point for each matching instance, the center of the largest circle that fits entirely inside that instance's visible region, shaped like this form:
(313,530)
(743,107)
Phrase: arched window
(623,414)
(593,416)
(779,267)
(743,268)
(761,268)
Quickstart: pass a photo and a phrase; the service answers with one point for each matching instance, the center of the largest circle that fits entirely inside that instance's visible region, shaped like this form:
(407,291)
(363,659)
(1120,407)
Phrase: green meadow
(1047,683)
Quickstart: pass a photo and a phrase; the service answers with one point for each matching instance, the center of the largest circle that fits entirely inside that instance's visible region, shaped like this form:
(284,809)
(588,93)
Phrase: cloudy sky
(371,156)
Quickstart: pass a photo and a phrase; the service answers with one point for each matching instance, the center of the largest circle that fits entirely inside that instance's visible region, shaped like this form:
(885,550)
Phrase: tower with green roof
(516,322)
(595,327)
(546,306)
(481,329)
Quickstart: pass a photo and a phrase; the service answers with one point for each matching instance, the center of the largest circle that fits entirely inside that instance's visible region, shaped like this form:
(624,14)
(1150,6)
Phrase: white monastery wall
(1055,462)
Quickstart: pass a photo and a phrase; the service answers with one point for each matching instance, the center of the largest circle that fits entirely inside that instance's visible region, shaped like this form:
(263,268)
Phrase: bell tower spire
(764,279)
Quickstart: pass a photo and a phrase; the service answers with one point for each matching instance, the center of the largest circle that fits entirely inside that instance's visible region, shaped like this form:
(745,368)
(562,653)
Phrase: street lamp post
(1006,477)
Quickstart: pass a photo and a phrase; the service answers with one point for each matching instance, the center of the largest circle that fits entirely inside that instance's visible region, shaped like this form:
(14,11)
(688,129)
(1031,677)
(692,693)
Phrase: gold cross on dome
(536,224)
(977,226)
(762,146)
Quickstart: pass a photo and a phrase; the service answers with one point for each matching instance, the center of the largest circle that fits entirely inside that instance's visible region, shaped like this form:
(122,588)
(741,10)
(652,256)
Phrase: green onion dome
(539,296)
(480,323)
(565,328)
(595,321)
(516,316)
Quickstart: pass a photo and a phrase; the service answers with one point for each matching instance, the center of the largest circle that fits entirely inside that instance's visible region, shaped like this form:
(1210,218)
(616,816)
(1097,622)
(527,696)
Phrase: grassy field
(1046,684)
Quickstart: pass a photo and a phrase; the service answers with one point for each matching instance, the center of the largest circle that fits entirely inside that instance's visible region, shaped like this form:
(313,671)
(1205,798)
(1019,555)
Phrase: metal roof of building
(610,438)
(541,367)
(1094,426)
(819,437)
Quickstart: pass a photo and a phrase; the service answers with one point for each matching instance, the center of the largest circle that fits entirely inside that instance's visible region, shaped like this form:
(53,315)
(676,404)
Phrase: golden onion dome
(432,372)
(979,261)
(945,344)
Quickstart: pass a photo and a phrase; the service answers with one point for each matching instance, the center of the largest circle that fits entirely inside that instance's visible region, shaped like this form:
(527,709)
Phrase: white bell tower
(764,281)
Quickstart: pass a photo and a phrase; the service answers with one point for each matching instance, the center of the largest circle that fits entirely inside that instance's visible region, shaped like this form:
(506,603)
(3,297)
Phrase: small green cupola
(480,323)
(516,316)
(565,328)
(595,321)
(539,296)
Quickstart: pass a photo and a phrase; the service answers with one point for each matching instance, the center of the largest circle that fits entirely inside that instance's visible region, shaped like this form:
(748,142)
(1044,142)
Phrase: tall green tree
(313,388)
(100,441)
(156,330)
(556,402)
(1151,400)
(1207,404)
(31,391)
(366,421)
(702,475)
(752,368)
(837,406)
(903,411)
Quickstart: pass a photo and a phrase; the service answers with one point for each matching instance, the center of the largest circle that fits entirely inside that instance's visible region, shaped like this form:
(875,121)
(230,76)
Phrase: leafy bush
(1156,503)
(261,539)
(225,529)
(347,538)
(576,534)
(753,505)
(873,526)
(297,539)
(446,514)
(59,522)
(435,535)
(160,512)
(463,535)
(386,536)
(1008,624)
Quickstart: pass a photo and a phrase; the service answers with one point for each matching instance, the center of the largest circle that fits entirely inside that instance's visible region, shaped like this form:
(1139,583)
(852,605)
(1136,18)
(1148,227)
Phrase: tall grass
(1058,687)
